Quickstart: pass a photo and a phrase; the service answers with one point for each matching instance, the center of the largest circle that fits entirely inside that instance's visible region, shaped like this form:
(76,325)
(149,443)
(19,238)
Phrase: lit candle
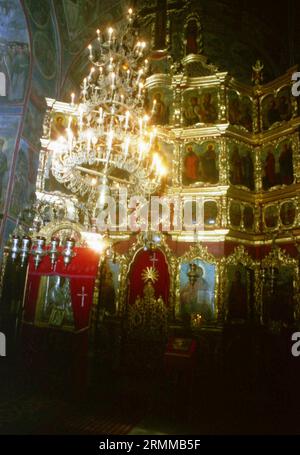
(113,77)
(153,106)
(84,83)
(98,34)
(72,99)
(91,50)
(110,32)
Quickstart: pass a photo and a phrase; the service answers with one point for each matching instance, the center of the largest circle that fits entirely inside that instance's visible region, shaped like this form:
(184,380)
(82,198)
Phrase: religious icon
(238,291)
(235,214)
(276,109)
(236,172)
(234,108)
(284,106)
(200,107)
(200,163)
(191,163)
(246,113)
(286,164)
(270,113)
(278,165)
(241,167)
(240,110)
(278,295)
(209,112)
(208,171)
(160,111)
(54,305)
(287,213)
(192,111)
(248,217)
(271,216)
(58,127)
(270,177)
(197,282)
(191,36)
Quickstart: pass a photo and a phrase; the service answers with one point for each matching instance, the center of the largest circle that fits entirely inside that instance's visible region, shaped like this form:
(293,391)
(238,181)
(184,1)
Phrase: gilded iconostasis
(232,143)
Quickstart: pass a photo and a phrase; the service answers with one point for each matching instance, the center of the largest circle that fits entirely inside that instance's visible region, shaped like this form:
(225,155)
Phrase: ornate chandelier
(113,143)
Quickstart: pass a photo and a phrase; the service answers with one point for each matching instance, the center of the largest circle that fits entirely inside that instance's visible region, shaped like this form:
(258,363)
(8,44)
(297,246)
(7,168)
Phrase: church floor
(134,405)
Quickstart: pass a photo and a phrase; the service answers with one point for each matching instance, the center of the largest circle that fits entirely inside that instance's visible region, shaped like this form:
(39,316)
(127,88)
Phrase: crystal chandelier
(113,143)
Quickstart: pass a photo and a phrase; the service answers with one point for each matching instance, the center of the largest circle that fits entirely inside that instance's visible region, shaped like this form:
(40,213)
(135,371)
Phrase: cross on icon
(82,295)
(153,259)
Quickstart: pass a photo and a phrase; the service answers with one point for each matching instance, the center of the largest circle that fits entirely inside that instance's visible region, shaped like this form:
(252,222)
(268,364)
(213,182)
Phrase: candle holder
(25,249)
(14,249)
(68,252)
(53,251)
(38,251)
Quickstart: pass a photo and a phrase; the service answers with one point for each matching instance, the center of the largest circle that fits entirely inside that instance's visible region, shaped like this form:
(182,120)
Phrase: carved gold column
(223,162)
(257,168)
(222,104)
(296,157)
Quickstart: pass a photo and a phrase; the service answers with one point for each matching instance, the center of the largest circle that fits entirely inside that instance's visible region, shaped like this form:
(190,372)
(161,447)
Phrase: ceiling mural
(78,20)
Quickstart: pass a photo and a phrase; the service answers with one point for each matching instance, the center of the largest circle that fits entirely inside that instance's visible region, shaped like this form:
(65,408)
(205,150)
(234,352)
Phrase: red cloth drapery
(81,271)
(154,258)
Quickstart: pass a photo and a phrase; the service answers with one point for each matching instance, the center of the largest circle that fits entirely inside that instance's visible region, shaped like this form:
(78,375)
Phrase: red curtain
(81,271)
(154,258)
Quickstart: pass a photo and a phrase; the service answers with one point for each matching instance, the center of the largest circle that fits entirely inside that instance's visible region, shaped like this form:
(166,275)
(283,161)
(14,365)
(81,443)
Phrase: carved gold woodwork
(63,230)
(148,314)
